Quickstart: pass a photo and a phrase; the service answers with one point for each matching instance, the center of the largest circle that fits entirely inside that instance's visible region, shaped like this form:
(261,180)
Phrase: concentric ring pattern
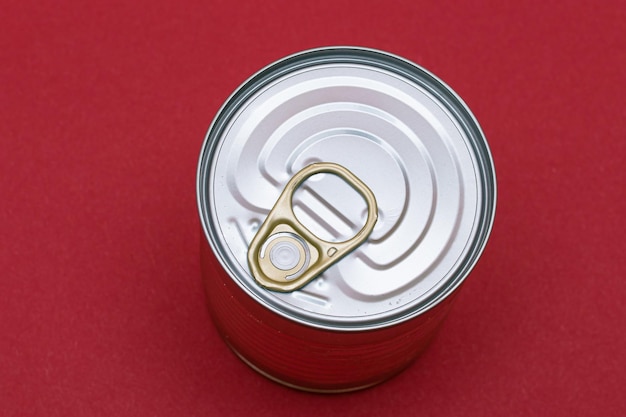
(393,134)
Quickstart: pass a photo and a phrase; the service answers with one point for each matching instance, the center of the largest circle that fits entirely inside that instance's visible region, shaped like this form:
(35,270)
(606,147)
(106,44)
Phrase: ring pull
(284,255)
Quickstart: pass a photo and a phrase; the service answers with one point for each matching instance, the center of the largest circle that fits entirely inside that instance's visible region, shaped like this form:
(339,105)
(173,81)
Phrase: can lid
(399,129)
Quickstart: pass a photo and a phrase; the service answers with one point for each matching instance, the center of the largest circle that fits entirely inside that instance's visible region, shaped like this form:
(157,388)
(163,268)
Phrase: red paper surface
(104,108)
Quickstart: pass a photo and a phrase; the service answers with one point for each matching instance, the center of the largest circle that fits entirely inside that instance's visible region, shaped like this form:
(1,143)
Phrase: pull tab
(284,255)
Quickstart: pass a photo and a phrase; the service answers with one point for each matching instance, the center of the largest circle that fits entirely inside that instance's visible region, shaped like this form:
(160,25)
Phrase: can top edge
(478,151)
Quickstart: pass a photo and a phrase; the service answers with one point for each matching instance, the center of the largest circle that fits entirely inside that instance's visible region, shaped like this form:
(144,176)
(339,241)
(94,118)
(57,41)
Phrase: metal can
(401,134)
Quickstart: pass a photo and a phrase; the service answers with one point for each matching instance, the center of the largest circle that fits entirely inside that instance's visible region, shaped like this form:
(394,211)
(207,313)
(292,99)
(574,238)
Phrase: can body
(401,130)
(306,357)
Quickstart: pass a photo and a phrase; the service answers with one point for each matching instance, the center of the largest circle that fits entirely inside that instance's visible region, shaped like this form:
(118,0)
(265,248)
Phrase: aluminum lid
(394,125)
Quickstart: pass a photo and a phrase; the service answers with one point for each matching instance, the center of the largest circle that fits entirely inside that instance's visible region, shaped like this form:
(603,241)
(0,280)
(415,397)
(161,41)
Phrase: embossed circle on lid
(395,126)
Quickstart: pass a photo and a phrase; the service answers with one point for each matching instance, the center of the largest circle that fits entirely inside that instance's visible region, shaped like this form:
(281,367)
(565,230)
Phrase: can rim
(396,64)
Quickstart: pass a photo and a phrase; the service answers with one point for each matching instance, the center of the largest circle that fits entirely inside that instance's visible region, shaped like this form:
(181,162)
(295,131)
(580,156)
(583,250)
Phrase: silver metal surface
(395,126)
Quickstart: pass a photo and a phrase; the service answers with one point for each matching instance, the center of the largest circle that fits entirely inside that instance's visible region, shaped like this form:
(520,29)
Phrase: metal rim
(416,74)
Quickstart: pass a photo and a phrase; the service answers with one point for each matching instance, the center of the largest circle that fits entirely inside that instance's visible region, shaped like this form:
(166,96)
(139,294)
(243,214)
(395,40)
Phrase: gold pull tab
(284,255)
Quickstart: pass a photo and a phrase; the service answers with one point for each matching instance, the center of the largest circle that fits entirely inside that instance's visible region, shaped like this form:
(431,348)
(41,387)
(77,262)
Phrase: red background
(104,107)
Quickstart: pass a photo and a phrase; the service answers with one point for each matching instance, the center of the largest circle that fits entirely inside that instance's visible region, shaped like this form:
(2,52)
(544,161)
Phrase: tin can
(382,125)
